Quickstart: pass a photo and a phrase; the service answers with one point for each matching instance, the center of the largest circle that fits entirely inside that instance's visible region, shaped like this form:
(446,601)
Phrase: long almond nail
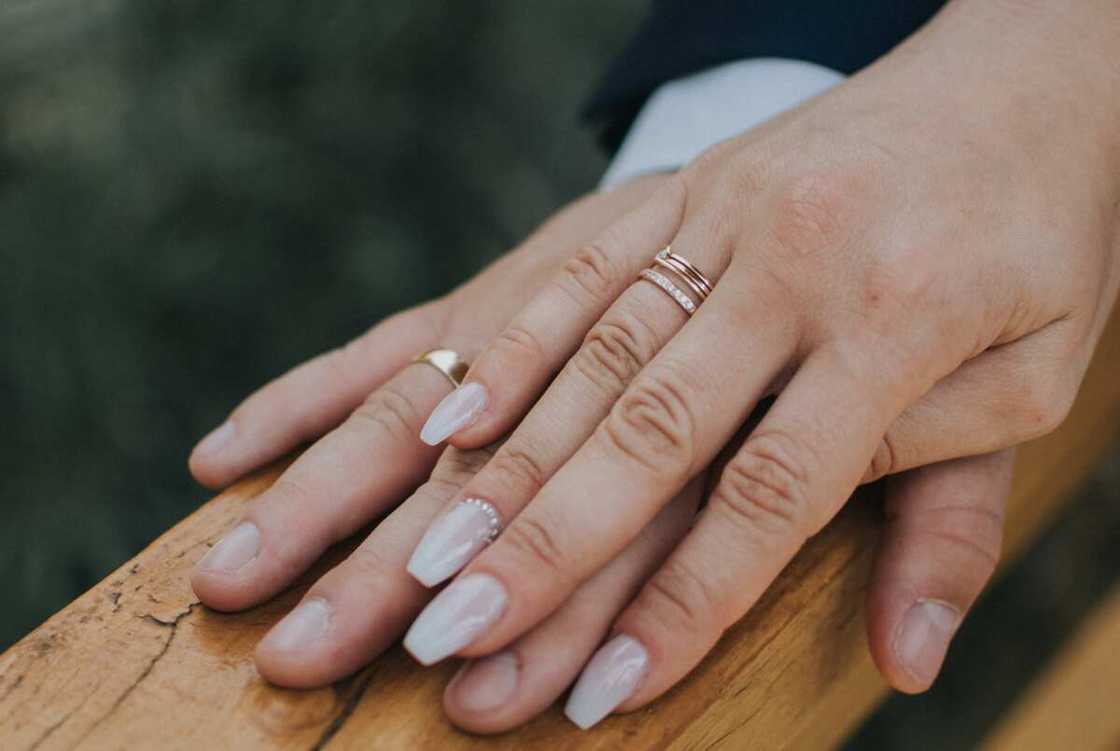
(455,617)
(234,551)
(453,540)
(458,410)
(923,637)
(300,628)
(607,681)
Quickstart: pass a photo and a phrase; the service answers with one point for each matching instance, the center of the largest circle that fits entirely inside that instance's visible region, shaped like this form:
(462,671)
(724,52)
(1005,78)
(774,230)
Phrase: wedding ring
(670,289)
(446,361)
(687,271)
(683,270)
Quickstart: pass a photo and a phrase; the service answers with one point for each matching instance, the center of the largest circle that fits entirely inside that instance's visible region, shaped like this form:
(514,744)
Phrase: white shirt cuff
(687,115)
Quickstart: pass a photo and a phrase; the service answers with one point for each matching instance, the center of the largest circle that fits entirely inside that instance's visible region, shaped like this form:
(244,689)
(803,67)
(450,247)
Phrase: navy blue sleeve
(684,36)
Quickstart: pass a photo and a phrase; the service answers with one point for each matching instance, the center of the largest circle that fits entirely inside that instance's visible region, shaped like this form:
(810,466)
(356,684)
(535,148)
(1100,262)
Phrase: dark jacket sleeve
(684,36)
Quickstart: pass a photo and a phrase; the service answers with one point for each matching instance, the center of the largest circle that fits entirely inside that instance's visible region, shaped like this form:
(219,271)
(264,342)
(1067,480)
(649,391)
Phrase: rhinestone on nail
(494,520)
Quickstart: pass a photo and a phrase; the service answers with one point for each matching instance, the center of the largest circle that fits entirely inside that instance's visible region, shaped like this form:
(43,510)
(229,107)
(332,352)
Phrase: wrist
(1030,76)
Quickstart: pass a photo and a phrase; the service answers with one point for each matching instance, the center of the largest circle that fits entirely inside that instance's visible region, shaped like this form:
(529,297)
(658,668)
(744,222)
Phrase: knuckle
(974,533)
(391,410)
(812,213)
(535,541)
(613,353)
(517,466)
(1044,403)
(590,273)
(764,488)
(520,342)
(653,425)
(682,599)
(368,564)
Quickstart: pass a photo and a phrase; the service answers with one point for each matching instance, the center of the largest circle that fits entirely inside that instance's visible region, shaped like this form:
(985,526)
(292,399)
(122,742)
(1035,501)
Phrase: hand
(367,402)
(921,271)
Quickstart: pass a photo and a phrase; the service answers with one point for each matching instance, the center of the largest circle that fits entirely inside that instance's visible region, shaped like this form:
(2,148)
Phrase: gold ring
(448,362)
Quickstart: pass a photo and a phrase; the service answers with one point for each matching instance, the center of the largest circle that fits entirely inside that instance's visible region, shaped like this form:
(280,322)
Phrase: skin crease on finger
(908,227)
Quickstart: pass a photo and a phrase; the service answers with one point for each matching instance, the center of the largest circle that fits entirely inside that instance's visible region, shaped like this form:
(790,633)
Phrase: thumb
(939,549)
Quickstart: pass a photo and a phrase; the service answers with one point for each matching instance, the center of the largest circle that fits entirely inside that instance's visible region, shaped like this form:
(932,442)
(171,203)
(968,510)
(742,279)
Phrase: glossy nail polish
(458,410)
(300,628)
(456,617)
(234,551)
(609,679)
(453,540)
(923,637)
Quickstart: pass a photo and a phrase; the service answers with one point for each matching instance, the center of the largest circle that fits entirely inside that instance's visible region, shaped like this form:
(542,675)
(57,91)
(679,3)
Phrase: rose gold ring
(686,270)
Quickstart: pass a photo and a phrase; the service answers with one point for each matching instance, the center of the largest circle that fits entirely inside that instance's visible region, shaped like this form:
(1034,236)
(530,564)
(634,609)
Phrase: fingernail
(607,681)
(453,540)
(458,409)
(216,439)
(236,549)
(455,617)
(300,628)
(923,637)
(489,683)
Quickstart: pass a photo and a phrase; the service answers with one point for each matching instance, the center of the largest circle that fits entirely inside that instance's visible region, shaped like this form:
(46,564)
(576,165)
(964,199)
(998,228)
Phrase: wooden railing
(136,662)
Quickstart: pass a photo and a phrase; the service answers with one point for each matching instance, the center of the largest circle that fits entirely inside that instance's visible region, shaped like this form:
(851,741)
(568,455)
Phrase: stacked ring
(685,271)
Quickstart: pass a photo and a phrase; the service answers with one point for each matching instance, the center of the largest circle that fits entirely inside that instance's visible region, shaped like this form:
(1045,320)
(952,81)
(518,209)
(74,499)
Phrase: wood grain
(137,663)
(1073,704)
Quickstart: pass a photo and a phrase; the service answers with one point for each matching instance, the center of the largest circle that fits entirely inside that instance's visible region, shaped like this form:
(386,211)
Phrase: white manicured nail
(607,681)
(234,551)
(453,540)
(458,409)
(300,628)
(455,617)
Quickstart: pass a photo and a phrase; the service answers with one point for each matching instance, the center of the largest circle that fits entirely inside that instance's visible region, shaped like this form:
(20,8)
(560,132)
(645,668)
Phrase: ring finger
(628,336)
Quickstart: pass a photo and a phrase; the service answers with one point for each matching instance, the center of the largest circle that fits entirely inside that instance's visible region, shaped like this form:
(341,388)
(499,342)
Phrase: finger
(310,399)
(508,376)
(355,472)
(1006,396)
(359,608)
(790,476)
(940,547)
(618,346)
(668,425)
(503,690)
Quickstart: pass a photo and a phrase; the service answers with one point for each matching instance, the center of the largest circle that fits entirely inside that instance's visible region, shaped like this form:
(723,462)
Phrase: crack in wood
(347,710)
(50,731)
(173,627)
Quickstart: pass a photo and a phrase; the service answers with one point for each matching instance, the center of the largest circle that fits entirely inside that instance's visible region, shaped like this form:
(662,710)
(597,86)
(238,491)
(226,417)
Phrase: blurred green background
(196,195)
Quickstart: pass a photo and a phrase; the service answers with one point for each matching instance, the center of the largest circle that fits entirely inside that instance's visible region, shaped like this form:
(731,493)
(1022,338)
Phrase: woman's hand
(362,467)
(920,262)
